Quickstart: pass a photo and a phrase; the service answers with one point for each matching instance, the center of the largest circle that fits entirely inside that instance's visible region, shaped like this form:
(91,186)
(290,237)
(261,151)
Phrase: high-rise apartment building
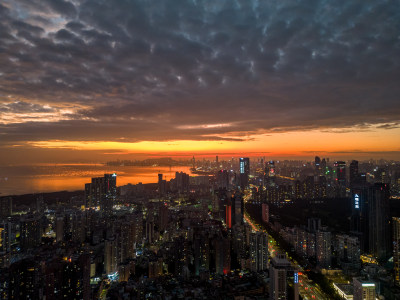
(258,251)
(323,248)
(244,171)
(340,169)
(238,208)
(317,163)
(379,227)
(111,256)
(223,179)
(364,290)
(30,231)
(162,184)
(102,192)
(369,220)
(348,252)
(354,172)
(278,277)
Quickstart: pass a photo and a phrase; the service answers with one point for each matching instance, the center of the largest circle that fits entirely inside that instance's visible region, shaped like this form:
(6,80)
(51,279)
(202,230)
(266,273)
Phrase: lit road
(307,288)
(285,177)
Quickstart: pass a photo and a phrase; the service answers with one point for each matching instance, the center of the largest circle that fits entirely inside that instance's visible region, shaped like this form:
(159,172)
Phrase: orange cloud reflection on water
(72,177)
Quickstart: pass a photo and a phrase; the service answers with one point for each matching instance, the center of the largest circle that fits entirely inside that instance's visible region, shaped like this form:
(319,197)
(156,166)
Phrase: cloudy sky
(90,79)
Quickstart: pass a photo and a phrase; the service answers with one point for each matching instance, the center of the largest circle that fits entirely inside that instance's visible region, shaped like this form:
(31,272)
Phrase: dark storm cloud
(148,70)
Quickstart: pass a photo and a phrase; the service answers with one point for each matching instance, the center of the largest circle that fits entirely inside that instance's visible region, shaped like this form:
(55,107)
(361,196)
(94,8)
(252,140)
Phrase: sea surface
(41,178)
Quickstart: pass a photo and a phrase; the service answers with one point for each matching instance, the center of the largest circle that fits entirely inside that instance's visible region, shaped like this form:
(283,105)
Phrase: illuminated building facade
(258,251)
(278,277)
(102,192)
(364,290)
(323,248)
(244,171)
(111,256)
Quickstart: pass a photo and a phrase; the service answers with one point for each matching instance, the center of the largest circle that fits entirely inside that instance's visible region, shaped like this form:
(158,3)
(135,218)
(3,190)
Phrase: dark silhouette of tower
(317,165)
(370,219)
(354,172)
(379,230)
(340,178)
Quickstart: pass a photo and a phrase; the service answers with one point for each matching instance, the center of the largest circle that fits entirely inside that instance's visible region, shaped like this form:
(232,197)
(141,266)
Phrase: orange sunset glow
(291,144)
(75,89)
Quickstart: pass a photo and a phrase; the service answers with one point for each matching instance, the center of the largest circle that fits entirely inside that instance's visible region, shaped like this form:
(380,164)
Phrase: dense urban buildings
(227,229)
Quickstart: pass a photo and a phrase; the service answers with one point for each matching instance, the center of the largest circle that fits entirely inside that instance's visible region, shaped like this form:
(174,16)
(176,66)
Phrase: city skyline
(89,81)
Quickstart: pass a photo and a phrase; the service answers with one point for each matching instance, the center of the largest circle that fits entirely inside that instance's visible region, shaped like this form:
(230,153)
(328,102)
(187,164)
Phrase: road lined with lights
(307,288)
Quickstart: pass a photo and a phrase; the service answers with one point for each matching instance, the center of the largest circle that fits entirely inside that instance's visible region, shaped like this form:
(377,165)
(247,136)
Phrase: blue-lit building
(244,170)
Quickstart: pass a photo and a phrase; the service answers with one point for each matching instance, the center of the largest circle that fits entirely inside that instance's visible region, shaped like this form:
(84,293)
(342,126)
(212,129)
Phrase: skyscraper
(111,256)
(370,221)
(162,183)
(102,191)
(228,215)
(258,251)
(317,165)
(238,208)
(244,170)
(323,166)
(323,248)
(110,194)
(163,215)
(270,174)
(278,277)
(340,178)
(181,182)
(379,230)
(353,172)
(223,179)
(359,219)
(348,252)
(31,231)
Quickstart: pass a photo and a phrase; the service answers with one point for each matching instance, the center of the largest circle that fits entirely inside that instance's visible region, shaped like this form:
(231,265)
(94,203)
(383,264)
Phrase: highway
(307,288)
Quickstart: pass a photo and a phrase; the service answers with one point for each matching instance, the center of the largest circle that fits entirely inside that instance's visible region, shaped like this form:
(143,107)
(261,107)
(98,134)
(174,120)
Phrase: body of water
(18,180)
